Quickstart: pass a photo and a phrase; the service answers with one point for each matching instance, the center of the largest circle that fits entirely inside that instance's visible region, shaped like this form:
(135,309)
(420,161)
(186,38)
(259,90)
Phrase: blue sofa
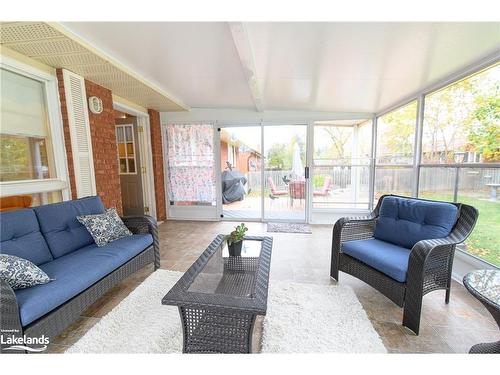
(404,248)
(51,237)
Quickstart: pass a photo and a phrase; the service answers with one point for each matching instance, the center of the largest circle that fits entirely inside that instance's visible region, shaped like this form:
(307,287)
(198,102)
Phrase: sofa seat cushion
(75,272)
(404,221)
(20,236)
(385,257)
(61,229)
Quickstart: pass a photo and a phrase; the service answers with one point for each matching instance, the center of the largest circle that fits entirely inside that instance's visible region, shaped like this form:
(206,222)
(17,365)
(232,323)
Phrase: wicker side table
(485,286)
(220,296)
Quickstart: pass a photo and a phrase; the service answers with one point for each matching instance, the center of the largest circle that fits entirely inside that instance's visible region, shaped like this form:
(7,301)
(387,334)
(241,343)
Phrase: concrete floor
(305,258)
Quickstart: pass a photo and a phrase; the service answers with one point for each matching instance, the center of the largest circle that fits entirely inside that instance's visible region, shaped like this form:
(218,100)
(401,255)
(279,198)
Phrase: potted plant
(235,240)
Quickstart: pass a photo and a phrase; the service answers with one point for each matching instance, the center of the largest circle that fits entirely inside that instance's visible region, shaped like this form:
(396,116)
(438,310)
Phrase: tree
(484,133)
(446,122)
(398,133)
(14,158)
(279,157)
(339,136)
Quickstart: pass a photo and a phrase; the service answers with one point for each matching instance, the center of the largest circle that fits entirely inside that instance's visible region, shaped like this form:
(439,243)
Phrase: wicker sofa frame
(429,266)
(60,318)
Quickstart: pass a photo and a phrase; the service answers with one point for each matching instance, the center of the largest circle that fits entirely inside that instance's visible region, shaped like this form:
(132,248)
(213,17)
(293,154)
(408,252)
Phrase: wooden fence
(397,179)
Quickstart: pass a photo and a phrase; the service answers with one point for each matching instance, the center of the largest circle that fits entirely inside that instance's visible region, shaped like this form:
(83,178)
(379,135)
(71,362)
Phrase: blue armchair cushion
(20,236)
(61,229)
(75,272)
(385,257)
(404,221)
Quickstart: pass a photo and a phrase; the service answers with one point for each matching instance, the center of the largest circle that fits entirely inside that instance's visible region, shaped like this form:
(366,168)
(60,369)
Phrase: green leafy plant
(237,234)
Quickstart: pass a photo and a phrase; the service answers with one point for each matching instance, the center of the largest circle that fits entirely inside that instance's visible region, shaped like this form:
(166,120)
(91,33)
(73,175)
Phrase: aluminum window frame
(488,62)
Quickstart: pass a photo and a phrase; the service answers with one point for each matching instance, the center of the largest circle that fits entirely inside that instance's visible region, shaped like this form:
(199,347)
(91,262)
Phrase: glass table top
(486,283)
(229,274)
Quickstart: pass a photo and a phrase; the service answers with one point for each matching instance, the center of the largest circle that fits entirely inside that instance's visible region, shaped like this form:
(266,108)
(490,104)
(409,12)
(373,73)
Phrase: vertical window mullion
(373,163)
(417,153)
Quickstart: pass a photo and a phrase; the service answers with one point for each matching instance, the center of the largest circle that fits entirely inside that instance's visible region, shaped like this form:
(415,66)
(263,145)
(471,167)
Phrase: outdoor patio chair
(404,249)
(325,190)
(275,192)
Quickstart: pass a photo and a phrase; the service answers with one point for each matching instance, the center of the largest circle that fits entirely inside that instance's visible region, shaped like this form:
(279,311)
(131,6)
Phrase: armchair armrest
(347,229)
(143,225)
(354,228)
(10,321)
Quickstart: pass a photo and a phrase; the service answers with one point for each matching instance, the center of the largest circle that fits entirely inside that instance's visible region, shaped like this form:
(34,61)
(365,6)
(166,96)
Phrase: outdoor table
(485,286)
(493,191)
(221,294)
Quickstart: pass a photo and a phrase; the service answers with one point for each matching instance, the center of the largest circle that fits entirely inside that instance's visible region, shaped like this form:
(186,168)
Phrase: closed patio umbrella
(297,166)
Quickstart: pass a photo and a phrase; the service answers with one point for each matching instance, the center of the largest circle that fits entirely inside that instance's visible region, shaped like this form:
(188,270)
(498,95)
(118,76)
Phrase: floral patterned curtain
(190,172)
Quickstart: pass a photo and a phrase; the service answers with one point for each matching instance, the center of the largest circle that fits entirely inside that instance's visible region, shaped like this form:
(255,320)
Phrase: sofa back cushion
(405,221)
(61,229)
(20,236)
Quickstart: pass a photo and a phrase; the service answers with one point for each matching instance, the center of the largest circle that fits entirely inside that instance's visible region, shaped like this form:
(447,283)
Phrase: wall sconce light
(95,105)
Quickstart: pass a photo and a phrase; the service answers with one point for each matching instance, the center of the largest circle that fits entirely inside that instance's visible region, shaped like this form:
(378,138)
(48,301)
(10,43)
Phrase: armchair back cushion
(405,221)
(58,223)
(20,236)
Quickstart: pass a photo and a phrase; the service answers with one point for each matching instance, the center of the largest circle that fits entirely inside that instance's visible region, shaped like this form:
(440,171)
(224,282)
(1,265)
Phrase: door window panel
(126,150)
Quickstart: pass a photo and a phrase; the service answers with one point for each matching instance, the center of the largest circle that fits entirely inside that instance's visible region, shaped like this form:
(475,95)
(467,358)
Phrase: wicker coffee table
(220,296)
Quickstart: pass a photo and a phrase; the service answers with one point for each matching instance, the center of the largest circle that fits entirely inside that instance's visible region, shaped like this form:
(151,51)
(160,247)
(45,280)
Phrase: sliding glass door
(263,172)
(240,172)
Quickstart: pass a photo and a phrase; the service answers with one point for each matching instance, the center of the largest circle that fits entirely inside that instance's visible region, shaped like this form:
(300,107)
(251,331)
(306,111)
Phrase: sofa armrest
(10,321)
(143,225)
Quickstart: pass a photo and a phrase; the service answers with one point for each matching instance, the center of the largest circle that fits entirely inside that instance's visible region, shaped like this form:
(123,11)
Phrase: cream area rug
(301,318)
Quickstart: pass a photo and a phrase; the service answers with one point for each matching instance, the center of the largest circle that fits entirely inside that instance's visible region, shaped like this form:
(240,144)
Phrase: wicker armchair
(429,267)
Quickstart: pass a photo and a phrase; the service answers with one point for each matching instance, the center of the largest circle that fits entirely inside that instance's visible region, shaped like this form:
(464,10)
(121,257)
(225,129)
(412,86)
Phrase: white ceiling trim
(245,52)
(63,30)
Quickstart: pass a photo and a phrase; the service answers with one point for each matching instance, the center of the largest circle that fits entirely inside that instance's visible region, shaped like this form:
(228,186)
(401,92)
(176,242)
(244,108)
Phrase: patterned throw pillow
(105,228)
(21,273)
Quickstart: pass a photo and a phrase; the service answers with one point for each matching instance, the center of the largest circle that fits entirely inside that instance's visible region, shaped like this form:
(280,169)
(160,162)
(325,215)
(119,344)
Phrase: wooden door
(129,164)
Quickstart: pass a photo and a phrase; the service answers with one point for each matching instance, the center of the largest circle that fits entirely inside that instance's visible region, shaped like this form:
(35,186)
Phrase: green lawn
(484,241)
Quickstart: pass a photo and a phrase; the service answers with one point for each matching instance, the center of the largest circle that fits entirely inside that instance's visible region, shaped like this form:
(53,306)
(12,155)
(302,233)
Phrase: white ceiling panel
(196,61)
(348,67)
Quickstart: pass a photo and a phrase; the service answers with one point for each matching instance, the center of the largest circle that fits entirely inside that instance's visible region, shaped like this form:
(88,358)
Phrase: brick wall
(102,130)
(157,149)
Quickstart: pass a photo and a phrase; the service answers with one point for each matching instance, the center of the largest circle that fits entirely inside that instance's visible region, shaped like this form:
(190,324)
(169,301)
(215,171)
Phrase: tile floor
(305,258)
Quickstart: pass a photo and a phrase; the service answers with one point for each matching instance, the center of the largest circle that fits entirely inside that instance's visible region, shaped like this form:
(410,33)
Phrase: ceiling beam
(244,48)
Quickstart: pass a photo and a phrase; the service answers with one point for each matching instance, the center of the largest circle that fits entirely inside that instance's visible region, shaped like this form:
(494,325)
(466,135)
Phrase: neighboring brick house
(243,157)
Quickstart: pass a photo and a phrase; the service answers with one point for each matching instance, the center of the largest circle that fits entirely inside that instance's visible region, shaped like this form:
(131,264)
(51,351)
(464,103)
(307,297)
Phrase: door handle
(306,172)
